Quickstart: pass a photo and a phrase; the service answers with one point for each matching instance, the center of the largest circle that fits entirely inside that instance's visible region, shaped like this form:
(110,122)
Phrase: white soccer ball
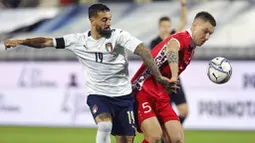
(219,70)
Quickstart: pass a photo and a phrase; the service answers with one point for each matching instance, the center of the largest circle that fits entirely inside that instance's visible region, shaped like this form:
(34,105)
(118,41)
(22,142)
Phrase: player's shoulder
(182,36)
(84,35)
(118,31)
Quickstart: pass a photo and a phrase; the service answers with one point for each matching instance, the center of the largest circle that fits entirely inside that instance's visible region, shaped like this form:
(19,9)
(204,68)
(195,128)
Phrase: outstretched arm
(66,42)
(183,16)
(39,42)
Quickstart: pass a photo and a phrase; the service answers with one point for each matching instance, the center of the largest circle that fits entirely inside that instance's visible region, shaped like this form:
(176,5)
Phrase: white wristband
(54,42)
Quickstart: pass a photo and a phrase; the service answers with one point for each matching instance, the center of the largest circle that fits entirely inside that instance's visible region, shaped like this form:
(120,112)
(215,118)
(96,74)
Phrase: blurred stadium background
(42,96)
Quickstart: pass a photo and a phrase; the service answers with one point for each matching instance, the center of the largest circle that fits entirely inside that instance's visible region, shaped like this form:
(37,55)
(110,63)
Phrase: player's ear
(92,20)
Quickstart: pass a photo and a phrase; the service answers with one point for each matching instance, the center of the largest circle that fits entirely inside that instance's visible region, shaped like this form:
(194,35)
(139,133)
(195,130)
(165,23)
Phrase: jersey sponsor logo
(108,47)
(34,77)
(249,80)
(5,106)
(221,108)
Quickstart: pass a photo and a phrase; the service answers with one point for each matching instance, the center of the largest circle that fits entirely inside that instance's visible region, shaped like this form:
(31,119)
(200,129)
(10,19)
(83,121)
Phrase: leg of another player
(180,101)
(183,111)
(124,139)
(152,130)
(174,131)
(104,123)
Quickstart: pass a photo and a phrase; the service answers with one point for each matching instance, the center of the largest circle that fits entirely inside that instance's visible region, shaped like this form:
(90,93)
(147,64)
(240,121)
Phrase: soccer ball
(219,70)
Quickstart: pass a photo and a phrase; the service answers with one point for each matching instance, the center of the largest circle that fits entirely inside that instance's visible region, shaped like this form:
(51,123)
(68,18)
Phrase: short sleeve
(68,42)
(180,39)
(128,41)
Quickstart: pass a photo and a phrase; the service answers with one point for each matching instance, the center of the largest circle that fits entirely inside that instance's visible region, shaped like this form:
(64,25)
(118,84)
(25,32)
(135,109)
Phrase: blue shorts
(121,110)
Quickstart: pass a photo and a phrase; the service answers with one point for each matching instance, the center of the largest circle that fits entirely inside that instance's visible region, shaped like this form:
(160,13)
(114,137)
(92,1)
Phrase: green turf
(84,135)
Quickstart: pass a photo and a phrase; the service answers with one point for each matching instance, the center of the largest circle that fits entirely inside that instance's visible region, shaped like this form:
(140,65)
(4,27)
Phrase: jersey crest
(108,47)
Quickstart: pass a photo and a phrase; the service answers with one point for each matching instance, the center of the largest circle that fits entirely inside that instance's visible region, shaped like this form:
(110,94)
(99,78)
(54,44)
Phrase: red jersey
(143,78)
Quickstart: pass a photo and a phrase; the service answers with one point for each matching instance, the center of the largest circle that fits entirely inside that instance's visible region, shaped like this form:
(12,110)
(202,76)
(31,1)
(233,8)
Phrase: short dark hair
(95,8)
(164,18)
(206,16)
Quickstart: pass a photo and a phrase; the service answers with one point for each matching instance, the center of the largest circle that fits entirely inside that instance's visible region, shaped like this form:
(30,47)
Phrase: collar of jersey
(192,42)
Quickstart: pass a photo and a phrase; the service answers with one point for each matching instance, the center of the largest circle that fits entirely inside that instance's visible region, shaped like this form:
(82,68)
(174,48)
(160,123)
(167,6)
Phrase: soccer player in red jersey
(156,118)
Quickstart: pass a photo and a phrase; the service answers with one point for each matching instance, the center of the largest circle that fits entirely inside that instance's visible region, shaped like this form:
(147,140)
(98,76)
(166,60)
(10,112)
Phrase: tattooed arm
(173,57)
(149,62)
(135,46)
(38,43)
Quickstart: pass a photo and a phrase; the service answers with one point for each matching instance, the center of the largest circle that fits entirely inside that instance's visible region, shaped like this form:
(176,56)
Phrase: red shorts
(150,106)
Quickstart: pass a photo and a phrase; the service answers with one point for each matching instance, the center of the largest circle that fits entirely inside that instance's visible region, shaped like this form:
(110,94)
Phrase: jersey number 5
(99,57)
(146,107)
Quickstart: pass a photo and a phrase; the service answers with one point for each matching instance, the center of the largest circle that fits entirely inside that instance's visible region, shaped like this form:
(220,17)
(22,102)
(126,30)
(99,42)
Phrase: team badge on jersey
(108,47)
(94,109)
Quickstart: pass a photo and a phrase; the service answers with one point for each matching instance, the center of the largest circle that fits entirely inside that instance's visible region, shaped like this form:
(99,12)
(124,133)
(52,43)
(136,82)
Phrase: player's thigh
(145,106)
(124,123)
(174,131)
(165,111)
(99,108)
(123,119)
(152,129)
(147,118)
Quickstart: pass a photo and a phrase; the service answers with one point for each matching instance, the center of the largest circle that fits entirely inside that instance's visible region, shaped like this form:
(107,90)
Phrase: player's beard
(104,32)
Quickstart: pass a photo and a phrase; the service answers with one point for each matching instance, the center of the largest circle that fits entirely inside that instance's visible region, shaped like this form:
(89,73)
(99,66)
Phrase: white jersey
(104,60)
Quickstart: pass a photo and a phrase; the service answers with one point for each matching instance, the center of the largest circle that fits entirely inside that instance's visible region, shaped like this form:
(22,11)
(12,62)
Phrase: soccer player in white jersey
(102,52)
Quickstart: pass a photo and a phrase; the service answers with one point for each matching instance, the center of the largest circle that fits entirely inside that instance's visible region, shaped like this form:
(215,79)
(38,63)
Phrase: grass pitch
(87,135)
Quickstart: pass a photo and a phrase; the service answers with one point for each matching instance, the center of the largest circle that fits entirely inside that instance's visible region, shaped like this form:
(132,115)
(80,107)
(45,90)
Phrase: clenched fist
(12,43)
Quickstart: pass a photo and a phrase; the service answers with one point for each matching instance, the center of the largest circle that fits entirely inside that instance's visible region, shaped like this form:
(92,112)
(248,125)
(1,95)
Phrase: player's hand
(12,43)
(174,86)
(169,84)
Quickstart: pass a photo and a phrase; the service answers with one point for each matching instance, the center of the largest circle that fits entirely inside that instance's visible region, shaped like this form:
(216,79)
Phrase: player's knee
(154,137)
(125,139)
(177,138)
(130,139)
(103,117)
(104,126)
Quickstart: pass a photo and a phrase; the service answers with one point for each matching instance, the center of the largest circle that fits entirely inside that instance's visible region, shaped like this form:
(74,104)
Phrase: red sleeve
(182,40)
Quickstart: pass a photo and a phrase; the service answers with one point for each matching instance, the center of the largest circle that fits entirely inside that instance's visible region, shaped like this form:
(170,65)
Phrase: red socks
(145,141)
